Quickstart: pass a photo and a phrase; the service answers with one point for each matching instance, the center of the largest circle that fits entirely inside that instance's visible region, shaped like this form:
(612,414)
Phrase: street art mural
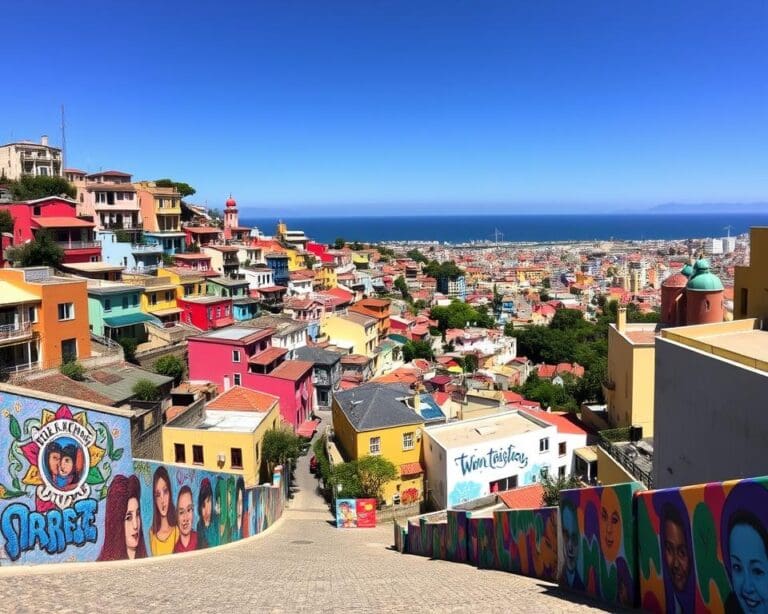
(71,491)
(526,542)
(597,537)
(704,548)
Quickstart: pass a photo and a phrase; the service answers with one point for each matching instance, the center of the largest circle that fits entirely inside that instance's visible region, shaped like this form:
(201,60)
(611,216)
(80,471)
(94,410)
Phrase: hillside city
(432,379)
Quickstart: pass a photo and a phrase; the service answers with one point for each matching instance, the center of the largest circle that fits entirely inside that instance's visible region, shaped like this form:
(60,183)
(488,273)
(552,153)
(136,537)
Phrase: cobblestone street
(303,564)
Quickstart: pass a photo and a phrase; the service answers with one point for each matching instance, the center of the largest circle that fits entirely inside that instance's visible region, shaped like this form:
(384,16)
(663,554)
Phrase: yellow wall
(753,279)
(327,277)
(161,303)
(609,471)
(339,329)
(354,445)
(220,442)
(199,288)
(631,369)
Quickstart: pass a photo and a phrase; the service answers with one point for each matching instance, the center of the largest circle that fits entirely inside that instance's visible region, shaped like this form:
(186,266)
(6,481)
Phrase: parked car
(313,464)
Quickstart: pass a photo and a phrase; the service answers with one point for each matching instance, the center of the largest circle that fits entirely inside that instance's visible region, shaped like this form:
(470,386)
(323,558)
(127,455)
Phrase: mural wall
(704,548)
(526,542)
(71,491)
(597,540)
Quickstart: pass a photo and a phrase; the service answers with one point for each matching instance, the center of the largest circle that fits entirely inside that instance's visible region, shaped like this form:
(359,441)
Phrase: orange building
(43,319)
(377,308)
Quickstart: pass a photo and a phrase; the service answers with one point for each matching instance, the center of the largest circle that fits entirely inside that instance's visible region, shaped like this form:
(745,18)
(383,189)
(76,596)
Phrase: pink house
(242,356)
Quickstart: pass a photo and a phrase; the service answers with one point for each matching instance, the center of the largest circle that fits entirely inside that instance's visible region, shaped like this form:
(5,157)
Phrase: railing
(79,244)
(15,331)
(153,248)
(627,461)
(113,347)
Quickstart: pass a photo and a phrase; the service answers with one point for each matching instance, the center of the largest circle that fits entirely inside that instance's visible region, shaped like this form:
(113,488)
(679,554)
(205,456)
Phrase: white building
(258,276)
(28,158)
(473,458)
(713,247)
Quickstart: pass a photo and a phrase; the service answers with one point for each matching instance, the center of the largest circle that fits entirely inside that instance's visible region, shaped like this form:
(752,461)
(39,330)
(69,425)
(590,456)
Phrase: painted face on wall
(54,458)
(66,464)
(610,524)
(186,513)
(570,538)
(749,569)
(549,545)
(239,509)
(676,554)
(162,497)
(132,525)
(207,507)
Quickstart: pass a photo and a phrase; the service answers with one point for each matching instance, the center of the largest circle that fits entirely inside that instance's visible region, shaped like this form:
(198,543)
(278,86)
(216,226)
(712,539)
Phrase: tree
(279,446)
(339,243)
(470,363)
(145,390)
(459,314)
(41,251)
(417,349)
(402,287)
(439,270)
(171,366)
(497,300)
(6,222)
(182,188)
(417,256)
(374,472)
(129,348)
(553,486)
(346,476)
(72,369)
(30,187)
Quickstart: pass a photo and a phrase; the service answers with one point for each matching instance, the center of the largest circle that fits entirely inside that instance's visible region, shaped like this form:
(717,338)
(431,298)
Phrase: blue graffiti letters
(51,531)
(495,458)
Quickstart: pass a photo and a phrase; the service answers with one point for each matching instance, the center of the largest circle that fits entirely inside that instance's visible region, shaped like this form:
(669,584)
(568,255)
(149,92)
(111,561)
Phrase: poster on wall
(366,513)
(58,463)
(346,513)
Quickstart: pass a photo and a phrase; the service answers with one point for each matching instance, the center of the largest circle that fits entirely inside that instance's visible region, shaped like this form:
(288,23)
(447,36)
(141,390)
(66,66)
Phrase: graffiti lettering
(495,458)
(52,531)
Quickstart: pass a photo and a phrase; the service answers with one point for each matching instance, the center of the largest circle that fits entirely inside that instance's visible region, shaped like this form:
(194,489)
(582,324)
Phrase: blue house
(114,310)
(132,257)
(279,264)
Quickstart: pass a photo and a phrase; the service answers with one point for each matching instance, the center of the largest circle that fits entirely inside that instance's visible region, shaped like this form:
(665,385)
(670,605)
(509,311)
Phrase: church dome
(703,279)
(231,202)
(678,280)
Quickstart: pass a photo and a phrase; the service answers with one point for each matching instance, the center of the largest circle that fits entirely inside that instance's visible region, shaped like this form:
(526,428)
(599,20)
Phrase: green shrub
(73,370)
(145,390)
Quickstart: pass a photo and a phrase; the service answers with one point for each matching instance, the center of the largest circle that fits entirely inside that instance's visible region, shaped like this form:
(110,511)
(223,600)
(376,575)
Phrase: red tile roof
(292,369)
(411,469)
(566,424)
(267,356)
(61,222)
(525,497)
(238,398)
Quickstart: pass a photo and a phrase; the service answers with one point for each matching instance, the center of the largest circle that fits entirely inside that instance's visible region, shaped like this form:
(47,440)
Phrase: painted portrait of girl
(744,545)
(123,536)
(222,510)
(676,546)
(241,510)
(207,525)
(164,532)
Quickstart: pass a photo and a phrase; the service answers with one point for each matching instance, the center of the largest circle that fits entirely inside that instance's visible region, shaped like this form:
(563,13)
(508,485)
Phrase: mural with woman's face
(132,527)
(206,510)
(610,524)
(749,568)
(162,497)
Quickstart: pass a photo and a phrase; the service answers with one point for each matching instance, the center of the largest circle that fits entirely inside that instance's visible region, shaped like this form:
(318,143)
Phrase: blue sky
(327,107)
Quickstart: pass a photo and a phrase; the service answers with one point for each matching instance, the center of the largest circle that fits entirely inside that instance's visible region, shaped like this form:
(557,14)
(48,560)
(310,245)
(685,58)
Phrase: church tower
(230,217)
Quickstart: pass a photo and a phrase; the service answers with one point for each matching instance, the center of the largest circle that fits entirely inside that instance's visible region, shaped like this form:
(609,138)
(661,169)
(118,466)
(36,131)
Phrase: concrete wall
(710,425)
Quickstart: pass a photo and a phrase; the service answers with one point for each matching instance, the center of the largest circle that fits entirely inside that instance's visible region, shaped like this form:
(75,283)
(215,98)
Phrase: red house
(57,215)
(242,356)
(206,312)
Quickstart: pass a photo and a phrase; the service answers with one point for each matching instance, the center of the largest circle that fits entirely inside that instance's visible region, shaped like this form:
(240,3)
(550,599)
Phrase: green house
(114,311)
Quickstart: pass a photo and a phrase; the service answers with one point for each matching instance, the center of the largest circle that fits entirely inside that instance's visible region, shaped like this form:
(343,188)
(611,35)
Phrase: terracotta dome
(231,202)
(678,280)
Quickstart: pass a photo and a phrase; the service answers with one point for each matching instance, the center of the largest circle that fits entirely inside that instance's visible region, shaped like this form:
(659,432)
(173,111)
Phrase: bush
(129,348)
(73,370)
(145,390)
(279,446)
(172,366)
(43,251)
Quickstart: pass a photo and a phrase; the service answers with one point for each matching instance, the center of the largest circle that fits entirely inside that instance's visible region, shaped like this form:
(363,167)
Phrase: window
(236,454)
(235,355)
(544,444)
(32,314)
(408,441)
(197,455)
(107,304)
(135,301)
(168,295)
(237,379)
(180,452)
(561,448)
(153,299)
(68,349)
(503,484)
(125,302)
(561,472)
(66,311)
(374,446)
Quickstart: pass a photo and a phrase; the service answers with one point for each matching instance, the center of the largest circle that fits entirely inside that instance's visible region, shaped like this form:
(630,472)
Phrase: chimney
(44,140)
(621,318)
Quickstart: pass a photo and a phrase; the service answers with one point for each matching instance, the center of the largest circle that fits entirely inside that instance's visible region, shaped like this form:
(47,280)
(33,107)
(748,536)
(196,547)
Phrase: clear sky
(324,106)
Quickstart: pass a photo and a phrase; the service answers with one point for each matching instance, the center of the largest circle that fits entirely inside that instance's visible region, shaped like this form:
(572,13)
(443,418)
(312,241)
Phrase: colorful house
(244,356)
(43,319)
(57,216)
(228,437)
(377,308)
(278,262)
(133,257)
(206,312)
(377,420)
(114,310)
(161,216)
(158,297)
(354,331)
(326,276)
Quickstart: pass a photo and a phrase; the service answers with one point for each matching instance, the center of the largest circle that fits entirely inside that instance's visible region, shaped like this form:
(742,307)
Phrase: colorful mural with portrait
(526,542)
(70,491)
(597,541)
(56,464)
(704,548)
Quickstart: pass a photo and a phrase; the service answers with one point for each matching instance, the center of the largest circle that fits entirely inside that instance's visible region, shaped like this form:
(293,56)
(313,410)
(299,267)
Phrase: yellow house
(188,283)
(229,437)
(361,259)
(630,386)
(354,331)
(750,300)
(327,277)
(379,419)
(158,297)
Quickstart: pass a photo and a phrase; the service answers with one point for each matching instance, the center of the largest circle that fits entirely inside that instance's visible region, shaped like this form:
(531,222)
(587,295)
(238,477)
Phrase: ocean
(515,228)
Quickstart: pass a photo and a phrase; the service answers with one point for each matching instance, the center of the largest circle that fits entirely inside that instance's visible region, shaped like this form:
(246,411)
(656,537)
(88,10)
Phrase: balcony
(10,333)
(79,244)
(137,248)
(222,322)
